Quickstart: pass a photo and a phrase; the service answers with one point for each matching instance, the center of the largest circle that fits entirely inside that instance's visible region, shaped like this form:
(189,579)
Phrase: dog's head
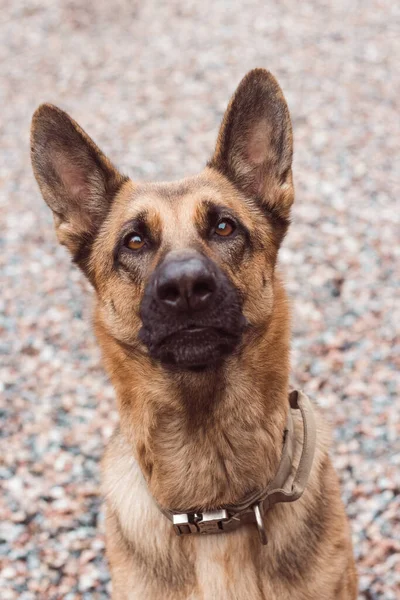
(182,269)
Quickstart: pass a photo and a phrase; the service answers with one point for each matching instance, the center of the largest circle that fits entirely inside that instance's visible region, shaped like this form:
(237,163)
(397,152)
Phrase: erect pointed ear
(254,147)
(75,178)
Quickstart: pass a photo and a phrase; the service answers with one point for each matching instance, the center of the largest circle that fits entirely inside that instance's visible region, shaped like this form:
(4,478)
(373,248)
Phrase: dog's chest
(162,566)
(226,567)
(223,567)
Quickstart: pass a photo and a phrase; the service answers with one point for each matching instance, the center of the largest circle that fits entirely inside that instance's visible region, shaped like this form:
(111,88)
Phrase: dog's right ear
(76,179)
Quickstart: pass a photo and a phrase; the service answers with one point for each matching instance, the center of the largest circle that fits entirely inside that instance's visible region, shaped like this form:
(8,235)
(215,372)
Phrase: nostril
(168,293)
(202,289)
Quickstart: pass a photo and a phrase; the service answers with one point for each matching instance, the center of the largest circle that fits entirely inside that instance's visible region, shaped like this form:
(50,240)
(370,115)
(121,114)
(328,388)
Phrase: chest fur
(154,563)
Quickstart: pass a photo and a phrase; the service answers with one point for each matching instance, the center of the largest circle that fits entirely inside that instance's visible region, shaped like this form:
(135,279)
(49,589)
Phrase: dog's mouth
(194,333)
(193,347)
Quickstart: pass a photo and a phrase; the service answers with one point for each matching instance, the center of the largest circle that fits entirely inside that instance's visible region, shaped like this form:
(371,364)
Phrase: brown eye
(135,242)
(225,228)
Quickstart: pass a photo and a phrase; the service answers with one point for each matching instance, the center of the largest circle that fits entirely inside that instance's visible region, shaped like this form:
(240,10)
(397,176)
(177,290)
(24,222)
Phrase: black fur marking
(85,241)
(192,339)
(82,255)
(279,224)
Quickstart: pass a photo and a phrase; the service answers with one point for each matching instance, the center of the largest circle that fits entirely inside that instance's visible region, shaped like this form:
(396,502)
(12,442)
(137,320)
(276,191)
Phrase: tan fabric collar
(283,488)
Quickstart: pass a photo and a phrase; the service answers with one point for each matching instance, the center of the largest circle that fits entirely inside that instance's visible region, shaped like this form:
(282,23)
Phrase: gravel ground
(149,81)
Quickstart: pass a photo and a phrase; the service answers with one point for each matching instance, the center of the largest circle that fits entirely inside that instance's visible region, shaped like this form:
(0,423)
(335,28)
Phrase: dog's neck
(206,439)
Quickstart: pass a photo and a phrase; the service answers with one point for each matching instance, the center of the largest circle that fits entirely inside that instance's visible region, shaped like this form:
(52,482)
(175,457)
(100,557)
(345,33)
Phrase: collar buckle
(204,523)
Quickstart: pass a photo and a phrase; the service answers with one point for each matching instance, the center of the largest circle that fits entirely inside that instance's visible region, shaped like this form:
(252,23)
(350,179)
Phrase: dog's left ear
(254,147)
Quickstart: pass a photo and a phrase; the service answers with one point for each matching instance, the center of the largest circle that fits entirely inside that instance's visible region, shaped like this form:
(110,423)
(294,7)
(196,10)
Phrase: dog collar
(283,488)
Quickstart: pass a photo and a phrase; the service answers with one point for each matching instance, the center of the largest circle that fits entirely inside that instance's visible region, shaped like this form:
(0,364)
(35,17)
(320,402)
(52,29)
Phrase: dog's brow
(206,212)
(138,221)
(208,207)
(145,219)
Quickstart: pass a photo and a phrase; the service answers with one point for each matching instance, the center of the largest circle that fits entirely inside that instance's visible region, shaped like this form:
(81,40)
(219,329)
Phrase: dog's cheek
(119,313)
(259,295)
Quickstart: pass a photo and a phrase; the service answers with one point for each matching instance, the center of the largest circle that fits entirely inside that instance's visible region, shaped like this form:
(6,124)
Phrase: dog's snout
(191,312)
(186,284)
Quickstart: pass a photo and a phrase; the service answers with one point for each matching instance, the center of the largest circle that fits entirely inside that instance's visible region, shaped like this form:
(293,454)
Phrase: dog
(217,482)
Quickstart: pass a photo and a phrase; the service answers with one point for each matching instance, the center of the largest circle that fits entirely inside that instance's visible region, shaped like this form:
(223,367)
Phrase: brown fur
(198,439)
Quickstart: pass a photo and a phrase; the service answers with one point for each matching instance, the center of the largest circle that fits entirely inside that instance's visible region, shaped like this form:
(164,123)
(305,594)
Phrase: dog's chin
(195,349)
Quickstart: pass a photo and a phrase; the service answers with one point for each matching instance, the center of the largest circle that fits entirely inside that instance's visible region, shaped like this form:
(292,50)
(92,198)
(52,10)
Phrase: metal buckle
(260,524)
(204,523)
(183,524)
(212,522)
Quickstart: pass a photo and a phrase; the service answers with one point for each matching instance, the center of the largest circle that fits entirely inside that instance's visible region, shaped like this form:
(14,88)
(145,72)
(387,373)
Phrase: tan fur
(201,439)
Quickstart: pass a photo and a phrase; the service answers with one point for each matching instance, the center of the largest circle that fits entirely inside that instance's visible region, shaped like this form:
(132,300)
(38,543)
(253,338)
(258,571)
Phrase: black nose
(186,283)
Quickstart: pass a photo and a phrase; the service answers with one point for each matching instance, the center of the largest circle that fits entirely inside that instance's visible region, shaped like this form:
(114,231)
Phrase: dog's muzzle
(191,312)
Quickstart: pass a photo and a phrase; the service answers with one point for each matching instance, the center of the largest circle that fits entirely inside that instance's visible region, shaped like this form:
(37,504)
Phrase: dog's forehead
(168,204)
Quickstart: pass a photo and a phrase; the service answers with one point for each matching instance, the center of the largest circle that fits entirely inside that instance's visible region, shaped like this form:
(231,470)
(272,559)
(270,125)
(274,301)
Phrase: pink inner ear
(72,176)
(259,143)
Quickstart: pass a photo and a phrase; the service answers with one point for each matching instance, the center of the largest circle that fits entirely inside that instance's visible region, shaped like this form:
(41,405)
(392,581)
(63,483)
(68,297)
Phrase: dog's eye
(224,228)
(134,241)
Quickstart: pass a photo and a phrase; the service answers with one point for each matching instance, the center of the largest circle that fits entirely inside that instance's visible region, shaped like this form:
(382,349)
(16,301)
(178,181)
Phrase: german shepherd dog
(193,322)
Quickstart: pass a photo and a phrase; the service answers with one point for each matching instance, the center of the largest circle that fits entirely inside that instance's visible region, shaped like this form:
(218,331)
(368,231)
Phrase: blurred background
(149,81)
